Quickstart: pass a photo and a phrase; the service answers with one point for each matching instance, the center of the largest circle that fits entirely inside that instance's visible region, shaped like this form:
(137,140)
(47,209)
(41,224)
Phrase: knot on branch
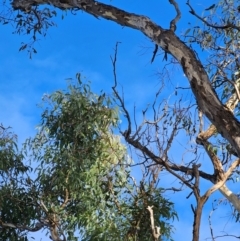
(200,140)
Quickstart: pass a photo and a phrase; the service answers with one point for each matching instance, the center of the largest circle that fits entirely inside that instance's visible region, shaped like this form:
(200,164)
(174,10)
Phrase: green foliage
(76,151)
(218,32)
(9,156)
(82,183)
(33,22)
(13,197)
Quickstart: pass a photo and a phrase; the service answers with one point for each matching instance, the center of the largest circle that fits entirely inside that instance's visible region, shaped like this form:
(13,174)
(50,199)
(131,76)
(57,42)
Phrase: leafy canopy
(80,183)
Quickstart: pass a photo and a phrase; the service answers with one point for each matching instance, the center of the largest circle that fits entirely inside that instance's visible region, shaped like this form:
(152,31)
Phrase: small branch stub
(155,230)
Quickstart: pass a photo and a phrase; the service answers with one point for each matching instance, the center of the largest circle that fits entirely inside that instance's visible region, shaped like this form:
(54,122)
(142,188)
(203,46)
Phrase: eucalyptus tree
(214,82)
(78,182)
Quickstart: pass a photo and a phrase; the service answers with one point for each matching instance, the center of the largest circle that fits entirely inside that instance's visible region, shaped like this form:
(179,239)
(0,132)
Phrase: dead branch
(121,100)
(155,230)
(154,53)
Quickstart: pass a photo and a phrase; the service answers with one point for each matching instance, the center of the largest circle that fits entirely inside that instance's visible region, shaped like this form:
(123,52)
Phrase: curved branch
(170,167)
(206,97)
(114,60)
(177,18)
(219,184)
(37,227)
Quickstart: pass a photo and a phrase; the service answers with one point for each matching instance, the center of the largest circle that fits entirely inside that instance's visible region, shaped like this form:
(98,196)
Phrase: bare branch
(155,230)
(173,23)
(37,227)
(210,224)
(121,100)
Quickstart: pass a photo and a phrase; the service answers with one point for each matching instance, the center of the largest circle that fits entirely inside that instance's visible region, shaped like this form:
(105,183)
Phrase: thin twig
(121,100)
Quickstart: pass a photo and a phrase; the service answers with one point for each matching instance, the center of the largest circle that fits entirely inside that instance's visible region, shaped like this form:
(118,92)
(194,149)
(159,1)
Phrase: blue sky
(84,44)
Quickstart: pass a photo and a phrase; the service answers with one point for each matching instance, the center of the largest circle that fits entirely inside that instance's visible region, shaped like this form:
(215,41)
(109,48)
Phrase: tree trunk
(197,220)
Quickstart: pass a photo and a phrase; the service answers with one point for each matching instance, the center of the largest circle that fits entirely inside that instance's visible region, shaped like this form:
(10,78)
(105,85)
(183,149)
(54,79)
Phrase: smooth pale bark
(232,198)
